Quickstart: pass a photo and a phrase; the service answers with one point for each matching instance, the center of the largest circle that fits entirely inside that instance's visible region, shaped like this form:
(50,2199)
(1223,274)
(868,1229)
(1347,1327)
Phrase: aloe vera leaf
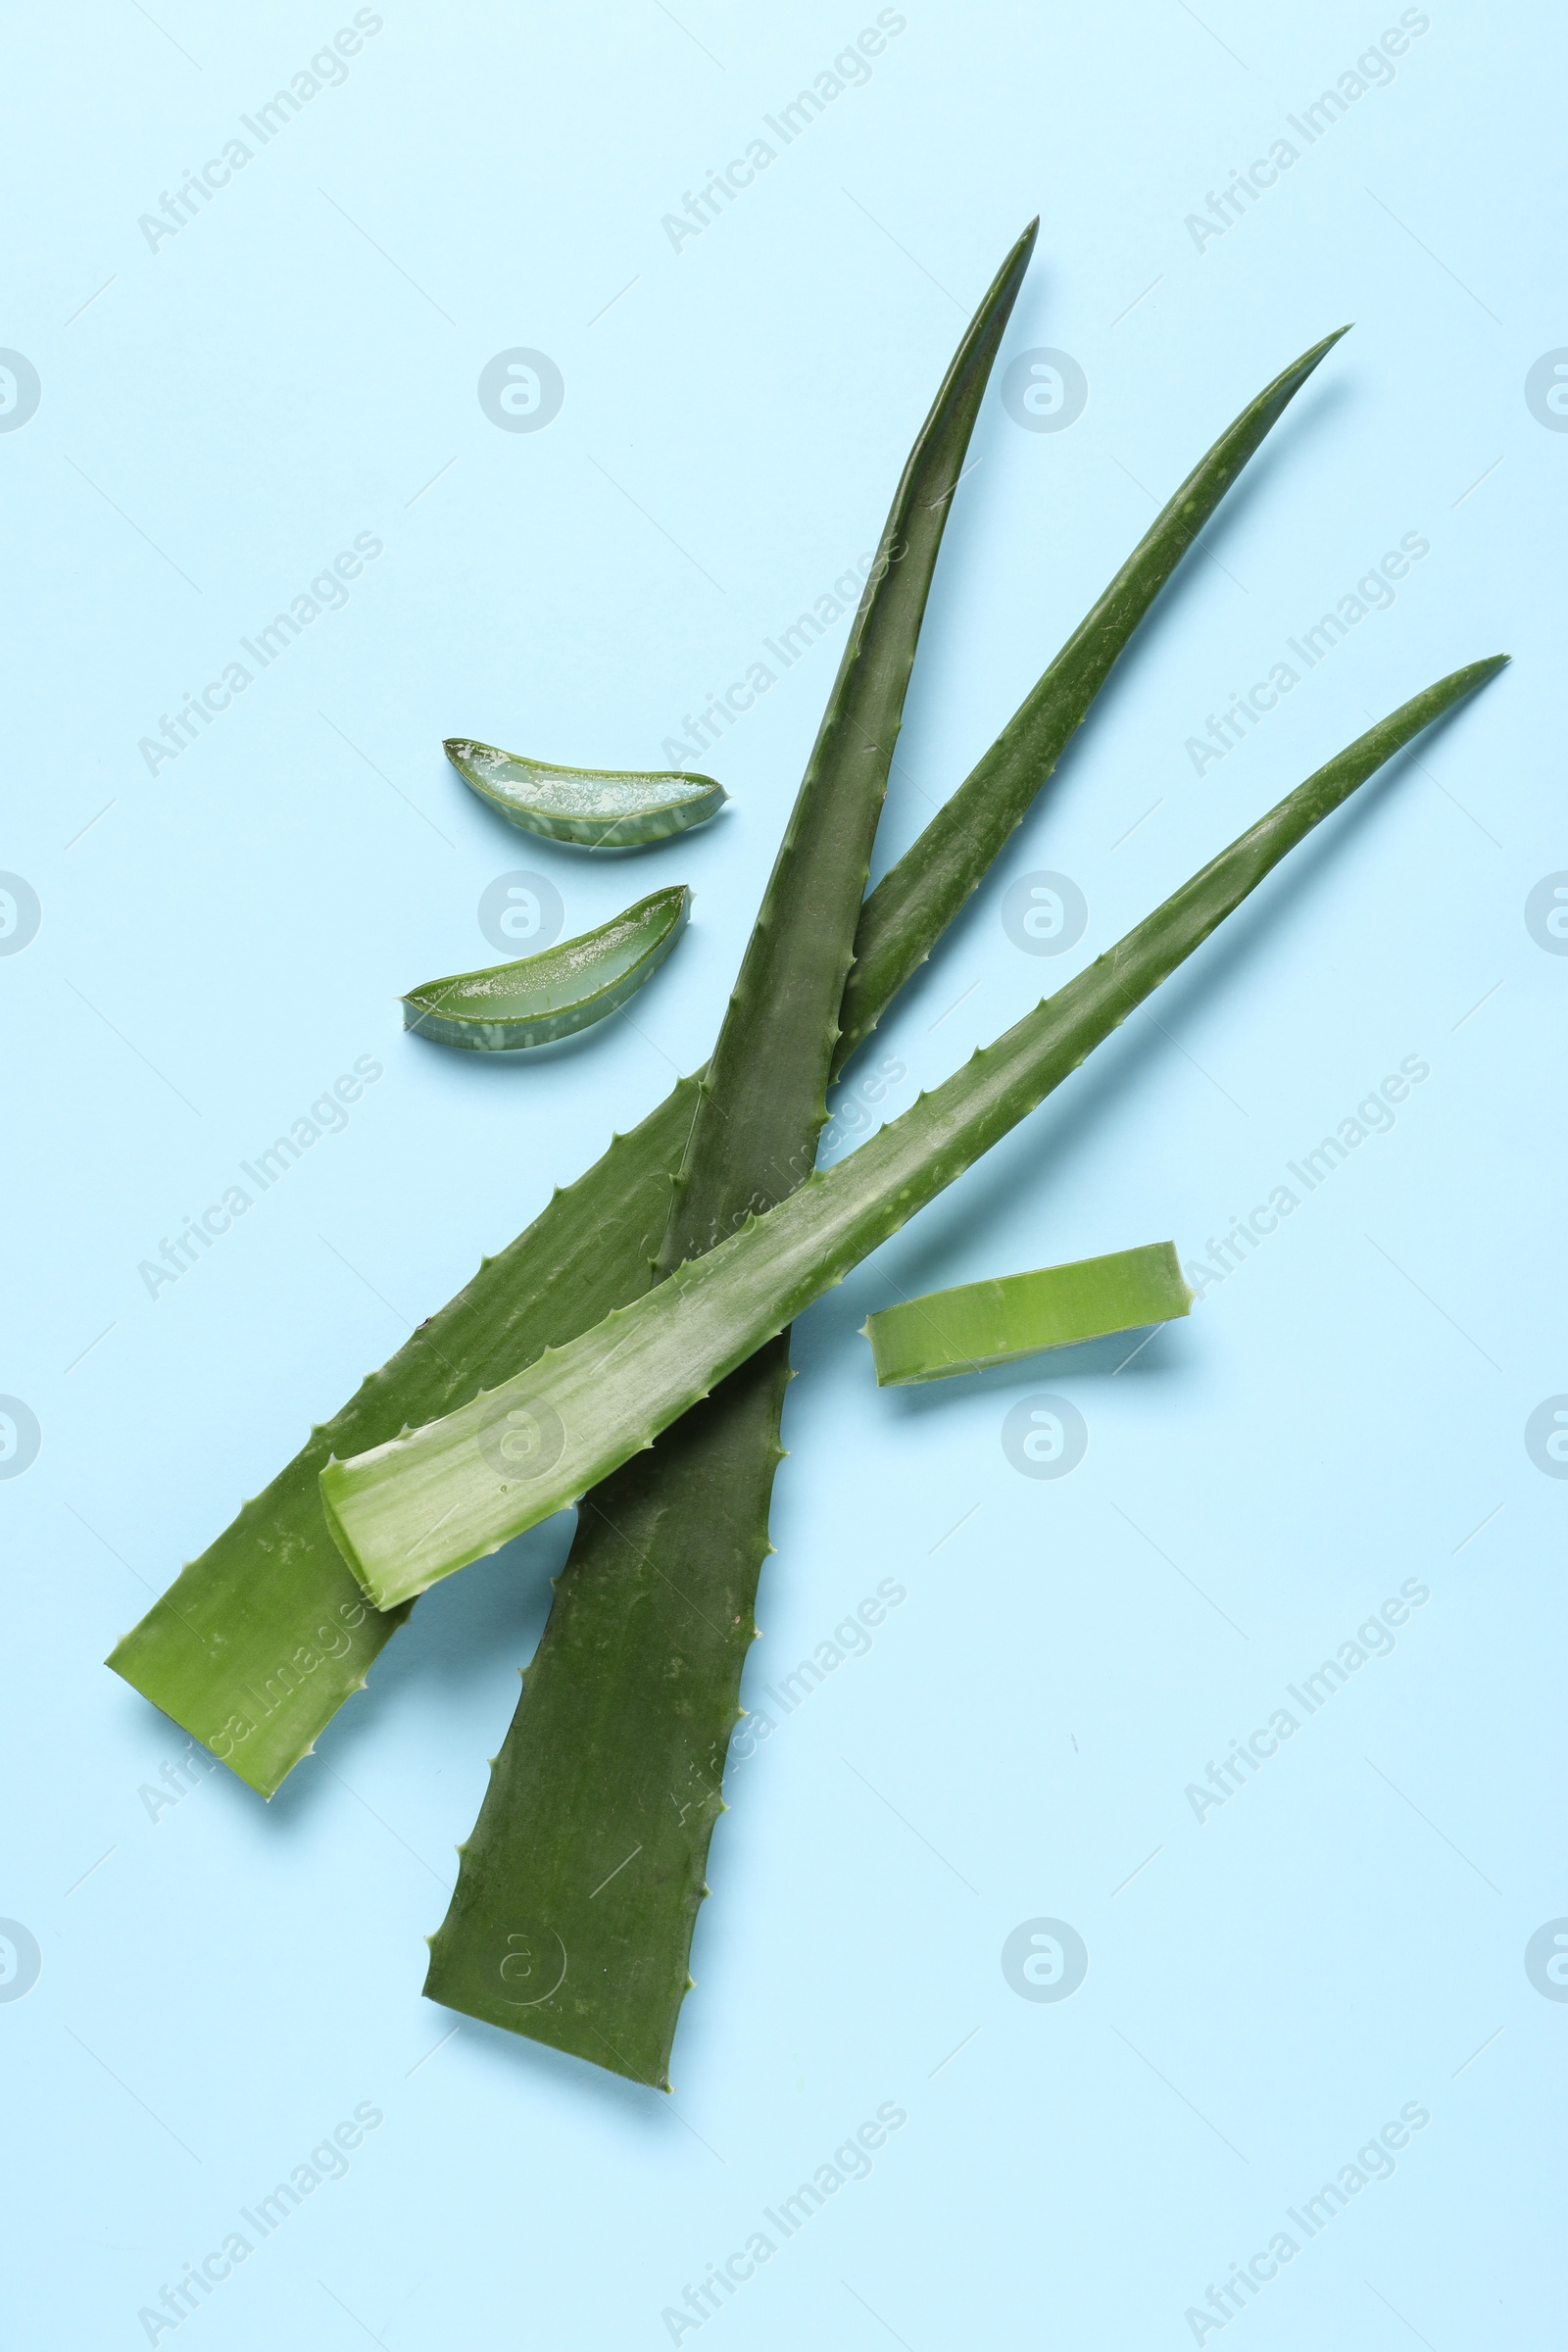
(259,1639)
(263,1636)
(592,1841)
(916,898)
(413,1510)
(667,1555)
(664,1566)
(764,1094)
(980,1324)
(596,807)
(554,994)
(251,1649)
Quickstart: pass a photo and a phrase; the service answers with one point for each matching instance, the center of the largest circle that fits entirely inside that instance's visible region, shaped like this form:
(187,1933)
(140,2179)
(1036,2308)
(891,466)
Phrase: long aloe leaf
(263,1636)
(763,1099)
(665,1559)
(260,1641)
(555,994)
(592,1841)
(933,879)
(413,1510)
(666,1554)
(980,1324)
(694,1523)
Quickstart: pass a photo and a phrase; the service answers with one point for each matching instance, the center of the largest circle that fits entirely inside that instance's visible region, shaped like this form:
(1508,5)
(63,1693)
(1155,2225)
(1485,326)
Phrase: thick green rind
(979,1324)
(597,1818)
(426,1504)
(566,988)
(920,896)
(217,1651)
(665,1563)
(532,1828)
(250,1602)
(646,806)
(278,1558)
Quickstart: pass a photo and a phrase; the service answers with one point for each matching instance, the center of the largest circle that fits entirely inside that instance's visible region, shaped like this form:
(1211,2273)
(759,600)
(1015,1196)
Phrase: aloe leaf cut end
(261,1640)
(978,1325)
(555,994)
(597,808)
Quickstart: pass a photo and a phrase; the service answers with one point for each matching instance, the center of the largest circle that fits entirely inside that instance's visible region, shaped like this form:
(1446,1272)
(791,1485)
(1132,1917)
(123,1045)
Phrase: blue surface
(225,410)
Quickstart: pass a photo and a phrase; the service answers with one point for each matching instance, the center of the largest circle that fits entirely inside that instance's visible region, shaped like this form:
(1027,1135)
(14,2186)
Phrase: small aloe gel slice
(549,996)
(593,806)
(983,1323)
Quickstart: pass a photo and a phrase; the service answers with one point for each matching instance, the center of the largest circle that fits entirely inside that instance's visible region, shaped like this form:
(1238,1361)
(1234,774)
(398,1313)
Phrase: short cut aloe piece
(555,994)
(414,1510)
(981,1323)
(596,807)
(263,1636)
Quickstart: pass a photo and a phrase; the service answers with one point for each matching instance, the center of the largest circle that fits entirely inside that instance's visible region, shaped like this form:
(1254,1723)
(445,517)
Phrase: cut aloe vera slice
(593,806)
(549,996)
(979,1324)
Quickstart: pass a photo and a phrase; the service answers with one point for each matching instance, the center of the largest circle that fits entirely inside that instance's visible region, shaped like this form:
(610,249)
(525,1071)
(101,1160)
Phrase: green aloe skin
(551,995)
(598,808)
(262,1638)
(933,879)
(260,1641)
(980,1324)
(668,1552)
(420,1507)
(625,1713)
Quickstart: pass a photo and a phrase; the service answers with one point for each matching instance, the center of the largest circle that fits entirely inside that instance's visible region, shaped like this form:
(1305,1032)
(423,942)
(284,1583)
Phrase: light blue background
(220,1986)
